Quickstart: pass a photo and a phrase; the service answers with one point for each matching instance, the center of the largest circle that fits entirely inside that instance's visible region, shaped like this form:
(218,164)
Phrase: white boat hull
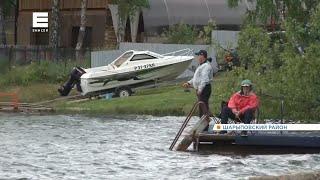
(160,72)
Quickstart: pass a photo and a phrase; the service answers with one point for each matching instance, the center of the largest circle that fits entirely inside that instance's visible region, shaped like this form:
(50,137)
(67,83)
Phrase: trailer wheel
(124,92)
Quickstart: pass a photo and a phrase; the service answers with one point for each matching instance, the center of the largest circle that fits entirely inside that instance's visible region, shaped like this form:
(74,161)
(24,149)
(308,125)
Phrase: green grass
(37,81)
(162,101)
(38,72)
(165,101)
(4,65)
(33,93)
(170,100)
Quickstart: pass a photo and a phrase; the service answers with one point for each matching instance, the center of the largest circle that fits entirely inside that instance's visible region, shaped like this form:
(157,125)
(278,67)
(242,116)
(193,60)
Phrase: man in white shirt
(201,81)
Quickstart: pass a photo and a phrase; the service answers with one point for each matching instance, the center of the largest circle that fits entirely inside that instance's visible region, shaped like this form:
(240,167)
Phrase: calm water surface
(78,147)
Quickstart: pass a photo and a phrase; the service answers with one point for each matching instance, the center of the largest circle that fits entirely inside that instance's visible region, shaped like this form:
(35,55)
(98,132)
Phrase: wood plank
(10,103)
(97,3)
(45,4)
(35,4)
(279,140)
(198,128)
(38,109)
(23,4)
(71,4)
(9,110)
(21,105)
(232,149)
(60,99)
(78,101)
(41,5)
(92,4)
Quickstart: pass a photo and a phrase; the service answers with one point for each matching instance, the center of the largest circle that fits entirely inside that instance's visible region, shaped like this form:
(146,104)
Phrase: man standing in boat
(201,81)
(241,106)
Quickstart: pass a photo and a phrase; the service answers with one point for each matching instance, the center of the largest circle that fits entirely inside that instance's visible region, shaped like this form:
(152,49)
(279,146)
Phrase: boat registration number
(146,66)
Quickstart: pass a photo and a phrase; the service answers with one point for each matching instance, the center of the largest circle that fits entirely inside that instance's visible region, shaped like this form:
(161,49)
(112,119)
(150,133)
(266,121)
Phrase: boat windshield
(140,57)
(122,59)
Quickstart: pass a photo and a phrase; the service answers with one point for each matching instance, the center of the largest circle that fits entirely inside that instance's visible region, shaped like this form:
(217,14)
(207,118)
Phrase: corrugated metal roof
(194,12)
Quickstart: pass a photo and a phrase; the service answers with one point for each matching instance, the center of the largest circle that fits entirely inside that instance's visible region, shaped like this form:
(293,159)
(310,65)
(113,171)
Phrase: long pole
(184,124)
(281,111)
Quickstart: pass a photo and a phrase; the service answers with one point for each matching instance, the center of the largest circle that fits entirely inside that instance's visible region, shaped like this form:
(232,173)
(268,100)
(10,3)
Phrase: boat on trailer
(255,142)
(132,69)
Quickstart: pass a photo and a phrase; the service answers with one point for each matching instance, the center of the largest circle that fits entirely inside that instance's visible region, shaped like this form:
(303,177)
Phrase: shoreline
(169,100)
(123,116)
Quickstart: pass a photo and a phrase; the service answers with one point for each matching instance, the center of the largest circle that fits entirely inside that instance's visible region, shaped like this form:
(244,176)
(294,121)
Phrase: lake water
(78,147)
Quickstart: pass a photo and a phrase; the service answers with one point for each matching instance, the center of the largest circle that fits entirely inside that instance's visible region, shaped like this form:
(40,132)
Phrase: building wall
(70,17)
(24,28)
(96,19)
(64,4)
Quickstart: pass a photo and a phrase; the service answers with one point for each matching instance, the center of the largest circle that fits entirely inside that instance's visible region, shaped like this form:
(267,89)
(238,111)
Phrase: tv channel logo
(40,22)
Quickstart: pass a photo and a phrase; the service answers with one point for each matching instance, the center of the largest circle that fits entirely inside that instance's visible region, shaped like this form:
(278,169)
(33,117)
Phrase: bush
(282,73)
(181,34)
(254,47)
(45,71)
(4,66)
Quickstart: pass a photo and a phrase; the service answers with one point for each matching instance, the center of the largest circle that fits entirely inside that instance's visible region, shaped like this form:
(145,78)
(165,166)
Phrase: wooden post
(10,57)
(15,101)
(25,54)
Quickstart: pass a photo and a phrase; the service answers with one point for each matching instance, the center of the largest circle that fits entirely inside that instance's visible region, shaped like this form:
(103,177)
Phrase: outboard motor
(74,79)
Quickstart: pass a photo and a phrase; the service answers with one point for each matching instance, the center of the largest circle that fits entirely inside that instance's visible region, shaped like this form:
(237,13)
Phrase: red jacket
(242,103)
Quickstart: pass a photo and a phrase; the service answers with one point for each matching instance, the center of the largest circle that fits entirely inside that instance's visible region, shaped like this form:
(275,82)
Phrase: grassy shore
(33,93)
(161,101)
(39,81)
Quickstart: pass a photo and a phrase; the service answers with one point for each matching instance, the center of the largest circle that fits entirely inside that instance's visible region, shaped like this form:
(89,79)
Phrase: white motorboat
(130,70)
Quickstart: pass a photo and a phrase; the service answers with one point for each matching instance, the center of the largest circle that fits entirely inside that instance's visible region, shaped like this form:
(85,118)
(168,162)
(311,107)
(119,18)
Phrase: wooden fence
(23,55)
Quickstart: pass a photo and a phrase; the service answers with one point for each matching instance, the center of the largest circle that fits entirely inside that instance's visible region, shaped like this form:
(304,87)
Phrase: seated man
(241,106)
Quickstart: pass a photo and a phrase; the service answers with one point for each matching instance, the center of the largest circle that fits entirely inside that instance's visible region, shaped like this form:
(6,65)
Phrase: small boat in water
(259,143)
(255,142)
(130,70)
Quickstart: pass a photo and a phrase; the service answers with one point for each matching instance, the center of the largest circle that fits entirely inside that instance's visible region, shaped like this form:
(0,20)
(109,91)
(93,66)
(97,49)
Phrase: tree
(5,6)
(55,23)
(2,24)
(287,66)
(128,8)
(278,10)
(82,29)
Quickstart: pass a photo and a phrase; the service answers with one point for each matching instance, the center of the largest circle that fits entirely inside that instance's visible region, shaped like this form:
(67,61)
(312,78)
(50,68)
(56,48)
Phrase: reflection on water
(76,147)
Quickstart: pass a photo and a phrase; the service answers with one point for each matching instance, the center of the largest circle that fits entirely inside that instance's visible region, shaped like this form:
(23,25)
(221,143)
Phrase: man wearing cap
(201,80)
(242,105)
